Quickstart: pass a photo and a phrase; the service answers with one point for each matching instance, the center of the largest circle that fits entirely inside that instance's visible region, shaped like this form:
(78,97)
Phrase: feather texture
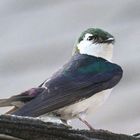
(82,77)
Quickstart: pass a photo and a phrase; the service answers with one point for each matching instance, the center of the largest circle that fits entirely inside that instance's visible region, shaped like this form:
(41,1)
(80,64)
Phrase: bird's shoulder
(86,64)
(82,69)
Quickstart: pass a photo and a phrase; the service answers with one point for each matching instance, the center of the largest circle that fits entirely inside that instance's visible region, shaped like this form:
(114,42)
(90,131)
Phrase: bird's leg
(86,123)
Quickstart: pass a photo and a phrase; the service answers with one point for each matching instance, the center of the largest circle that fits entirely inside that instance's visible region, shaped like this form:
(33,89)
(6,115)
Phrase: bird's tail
(5,102)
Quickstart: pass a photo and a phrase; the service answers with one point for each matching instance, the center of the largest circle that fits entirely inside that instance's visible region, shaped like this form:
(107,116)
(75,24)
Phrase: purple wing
(79,79)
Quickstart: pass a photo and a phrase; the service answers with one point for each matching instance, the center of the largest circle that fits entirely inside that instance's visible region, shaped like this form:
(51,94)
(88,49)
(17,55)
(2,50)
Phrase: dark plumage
(82,77)
(79,87)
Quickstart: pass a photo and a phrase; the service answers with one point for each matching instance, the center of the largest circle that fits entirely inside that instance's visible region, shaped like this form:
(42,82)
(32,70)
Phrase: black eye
(95,38)
(90,38)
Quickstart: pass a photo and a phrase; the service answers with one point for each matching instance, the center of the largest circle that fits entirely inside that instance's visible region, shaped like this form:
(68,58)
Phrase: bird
(79,87)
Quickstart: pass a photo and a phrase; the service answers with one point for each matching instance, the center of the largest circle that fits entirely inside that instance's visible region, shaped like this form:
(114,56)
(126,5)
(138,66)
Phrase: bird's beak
(110,40)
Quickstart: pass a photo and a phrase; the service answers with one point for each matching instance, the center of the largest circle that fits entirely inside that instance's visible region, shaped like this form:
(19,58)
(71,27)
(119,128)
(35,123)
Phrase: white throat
(103,50)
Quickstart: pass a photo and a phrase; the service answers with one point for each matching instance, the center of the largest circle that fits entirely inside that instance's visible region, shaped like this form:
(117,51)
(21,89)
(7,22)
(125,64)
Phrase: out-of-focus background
(37,37)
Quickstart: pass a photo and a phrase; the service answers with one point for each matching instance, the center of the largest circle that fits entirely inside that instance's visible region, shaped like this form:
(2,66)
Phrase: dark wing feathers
(27,95)
(82,77)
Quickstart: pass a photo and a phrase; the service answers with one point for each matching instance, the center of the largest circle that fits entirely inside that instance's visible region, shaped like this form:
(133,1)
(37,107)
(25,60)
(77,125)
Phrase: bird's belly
(87,106)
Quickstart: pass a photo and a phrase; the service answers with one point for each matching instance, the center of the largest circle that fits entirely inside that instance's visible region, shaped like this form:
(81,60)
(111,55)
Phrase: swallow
(79,88)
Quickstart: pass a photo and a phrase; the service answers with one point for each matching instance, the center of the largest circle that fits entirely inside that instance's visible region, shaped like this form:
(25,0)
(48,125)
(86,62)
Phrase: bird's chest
(85,106)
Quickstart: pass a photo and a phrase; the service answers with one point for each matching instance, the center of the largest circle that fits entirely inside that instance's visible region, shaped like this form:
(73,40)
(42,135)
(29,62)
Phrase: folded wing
(82,77)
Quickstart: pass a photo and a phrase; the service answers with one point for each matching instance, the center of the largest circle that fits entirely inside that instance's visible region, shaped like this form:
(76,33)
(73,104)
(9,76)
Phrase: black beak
(110,40)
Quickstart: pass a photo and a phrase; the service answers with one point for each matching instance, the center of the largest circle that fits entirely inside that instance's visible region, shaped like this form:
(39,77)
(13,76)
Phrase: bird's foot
(86,123)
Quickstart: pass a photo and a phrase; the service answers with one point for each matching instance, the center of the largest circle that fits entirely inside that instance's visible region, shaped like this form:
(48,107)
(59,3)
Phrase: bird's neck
(103,50)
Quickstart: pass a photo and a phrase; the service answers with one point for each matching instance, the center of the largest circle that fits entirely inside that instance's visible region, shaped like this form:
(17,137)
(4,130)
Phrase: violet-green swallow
(79,87)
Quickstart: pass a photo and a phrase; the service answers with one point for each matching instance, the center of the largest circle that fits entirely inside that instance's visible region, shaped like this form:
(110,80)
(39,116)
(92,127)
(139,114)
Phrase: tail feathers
(5,102)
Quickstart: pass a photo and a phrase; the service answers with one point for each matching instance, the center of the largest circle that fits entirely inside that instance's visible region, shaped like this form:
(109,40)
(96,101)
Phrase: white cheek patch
(82,46)
(87,47)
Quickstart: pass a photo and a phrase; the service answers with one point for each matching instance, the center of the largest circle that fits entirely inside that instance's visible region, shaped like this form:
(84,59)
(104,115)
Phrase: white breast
(86,106)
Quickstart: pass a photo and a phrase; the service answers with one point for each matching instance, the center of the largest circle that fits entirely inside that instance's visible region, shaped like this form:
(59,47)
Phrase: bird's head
(95,42)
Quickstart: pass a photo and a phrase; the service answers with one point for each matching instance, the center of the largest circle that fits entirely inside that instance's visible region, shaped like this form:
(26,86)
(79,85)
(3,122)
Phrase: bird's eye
(95,37)
(90,38)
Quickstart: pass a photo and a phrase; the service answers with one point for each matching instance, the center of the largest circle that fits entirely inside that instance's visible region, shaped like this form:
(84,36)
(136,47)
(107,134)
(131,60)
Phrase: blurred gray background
(37,37)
